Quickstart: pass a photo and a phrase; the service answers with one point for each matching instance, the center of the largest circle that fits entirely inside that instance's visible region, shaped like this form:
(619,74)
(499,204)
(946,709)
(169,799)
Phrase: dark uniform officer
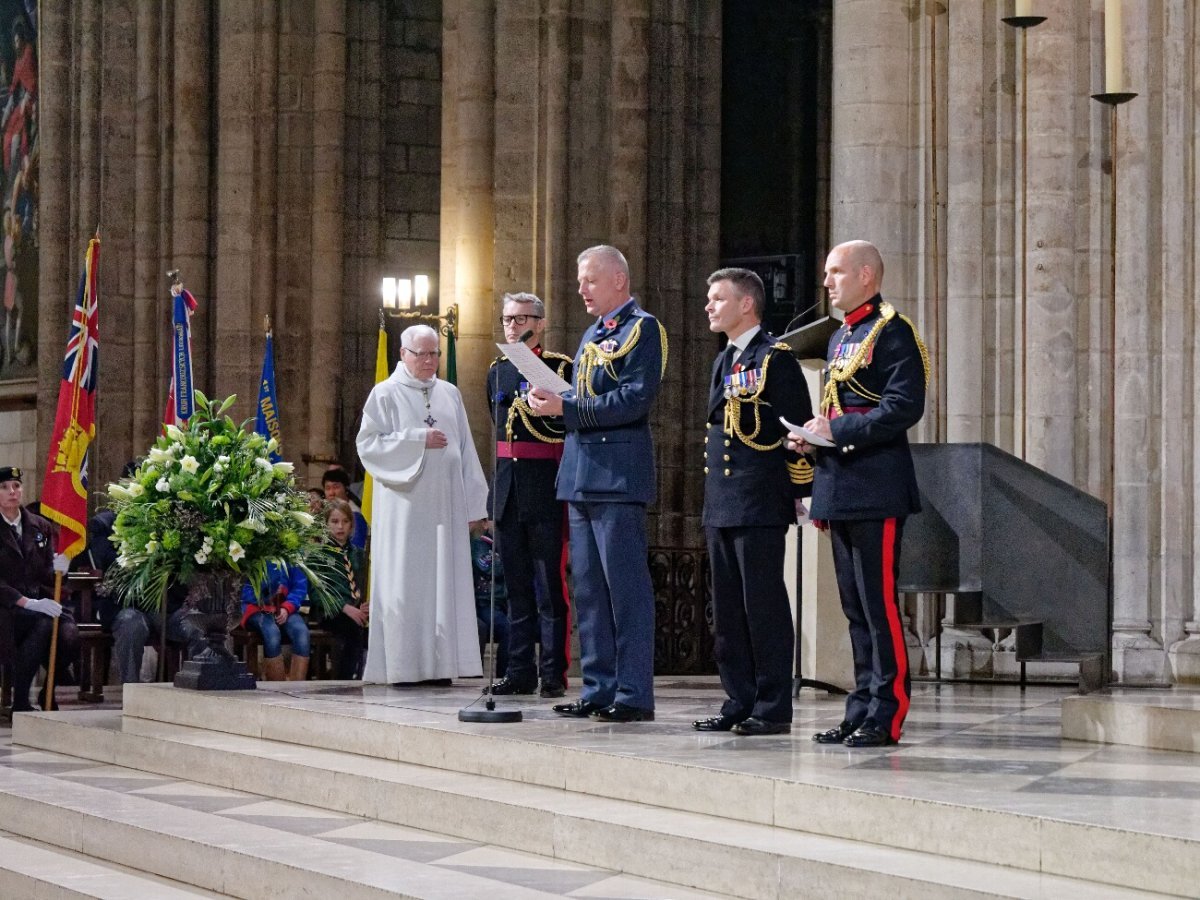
(530,525)
(607,477)
(26,584)
(865,486)
(751,485)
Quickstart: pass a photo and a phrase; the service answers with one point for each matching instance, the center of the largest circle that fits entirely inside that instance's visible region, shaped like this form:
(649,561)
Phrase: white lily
(163,486)
(302,517)
(236,552)
(174,433)
(189,464)
(284,468)
(159,456)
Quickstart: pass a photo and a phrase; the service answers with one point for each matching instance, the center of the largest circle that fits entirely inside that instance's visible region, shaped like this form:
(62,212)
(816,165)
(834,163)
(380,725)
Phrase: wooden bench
(247,644)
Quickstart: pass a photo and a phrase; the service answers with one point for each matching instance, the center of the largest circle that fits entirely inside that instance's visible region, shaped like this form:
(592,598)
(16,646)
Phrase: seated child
(273,606)
(347,582)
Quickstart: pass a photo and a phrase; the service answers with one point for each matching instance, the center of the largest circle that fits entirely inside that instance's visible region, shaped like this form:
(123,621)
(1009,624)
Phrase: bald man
(864,486)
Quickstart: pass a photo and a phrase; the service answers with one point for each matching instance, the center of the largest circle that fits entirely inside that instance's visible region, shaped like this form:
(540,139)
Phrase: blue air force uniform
(751,483)
(530,523)
(607,477)
(864,487)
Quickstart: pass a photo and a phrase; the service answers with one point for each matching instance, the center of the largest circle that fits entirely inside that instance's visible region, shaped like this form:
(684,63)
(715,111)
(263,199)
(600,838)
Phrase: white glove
(61,563)
(802,513)
(45,606)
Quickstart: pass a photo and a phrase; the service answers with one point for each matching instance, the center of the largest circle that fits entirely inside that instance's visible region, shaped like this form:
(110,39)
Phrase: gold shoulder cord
(733,414)
(535,424)
(845,372)
(593,358)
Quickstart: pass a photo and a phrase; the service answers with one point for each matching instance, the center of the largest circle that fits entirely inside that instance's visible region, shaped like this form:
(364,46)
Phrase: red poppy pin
(610,324)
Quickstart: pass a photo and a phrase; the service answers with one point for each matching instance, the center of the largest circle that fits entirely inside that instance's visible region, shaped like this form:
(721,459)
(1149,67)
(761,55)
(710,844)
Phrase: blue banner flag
(182,384)
(267,423)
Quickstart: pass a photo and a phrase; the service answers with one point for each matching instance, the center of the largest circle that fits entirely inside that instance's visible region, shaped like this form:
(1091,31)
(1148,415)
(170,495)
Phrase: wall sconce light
(387,290)
(421,289)
(404,292)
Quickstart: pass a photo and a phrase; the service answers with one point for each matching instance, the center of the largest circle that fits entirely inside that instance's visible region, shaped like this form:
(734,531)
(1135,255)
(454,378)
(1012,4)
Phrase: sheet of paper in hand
(531,366)
(815,439)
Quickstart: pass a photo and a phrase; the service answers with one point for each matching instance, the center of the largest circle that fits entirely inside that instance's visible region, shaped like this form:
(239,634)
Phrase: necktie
(17,539)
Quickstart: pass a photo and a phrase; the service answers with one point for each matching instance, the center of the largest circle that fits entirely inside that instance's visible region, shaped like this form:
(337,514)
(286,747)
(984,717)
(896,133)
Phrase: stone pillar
(874,169)
(1138,655)
(468,220)
(149,282)
(327,295)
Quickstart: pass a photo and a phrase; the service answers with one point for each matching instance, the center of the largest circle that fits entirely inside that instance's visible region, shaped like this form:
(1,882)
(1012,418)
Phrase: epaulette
(498,360)
(554,355)
(781,345)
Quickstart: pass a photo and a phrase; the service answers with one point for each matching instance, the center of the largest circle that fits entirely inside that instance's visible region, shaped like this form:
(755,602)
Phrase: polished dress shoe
(552,689)
(869,735)
(580,709)
(716,723)
(507,686)
(619,712)
(755,726)
(836,735)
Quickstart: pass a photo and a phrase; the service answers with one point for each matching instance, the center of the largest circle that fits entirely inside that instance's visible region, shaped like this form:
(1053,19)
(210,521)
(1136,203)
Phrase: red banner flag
(64,489)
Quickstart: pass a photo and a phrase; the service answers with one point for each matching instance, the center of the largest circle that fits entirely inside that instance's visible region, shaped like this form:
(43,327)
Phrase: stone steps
(1156,720)
(697,848)
(231,858)
(35,870)
(1043,844)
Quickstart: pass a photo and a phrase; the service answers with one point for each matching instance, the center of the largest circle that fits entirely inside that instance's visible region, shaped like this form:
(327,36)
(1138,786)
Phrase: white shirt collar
(742,341)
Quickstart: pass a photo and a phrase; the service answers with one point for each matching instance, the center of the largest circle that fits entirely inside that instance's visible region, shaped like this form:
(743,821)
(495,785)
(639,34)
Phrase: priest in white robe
(429,489)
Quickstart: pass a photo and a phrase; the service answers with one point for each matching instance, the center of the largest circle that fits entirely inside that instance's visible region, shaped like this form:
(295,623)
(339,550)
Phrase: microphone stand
(490,714)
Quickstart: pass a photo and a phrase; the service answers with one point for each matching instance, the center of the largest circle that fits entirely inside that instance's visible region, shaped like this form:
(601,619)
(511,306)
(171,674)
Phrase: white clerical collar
(408,378)
(742,341)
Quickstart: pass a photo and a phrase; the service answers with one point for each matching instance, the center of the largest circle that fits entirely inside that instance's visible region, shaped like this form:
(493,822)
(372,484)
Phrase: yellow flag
(381,373)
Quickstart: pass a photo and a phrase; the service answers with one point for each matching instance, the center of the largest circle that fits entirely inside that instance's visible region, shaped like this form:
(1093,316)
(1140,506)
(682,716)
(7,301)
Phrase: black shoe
(553,689)
(716,723)
(507,686)
(580,709)
(756,726)
(869,735)
(836,735)
(619,712)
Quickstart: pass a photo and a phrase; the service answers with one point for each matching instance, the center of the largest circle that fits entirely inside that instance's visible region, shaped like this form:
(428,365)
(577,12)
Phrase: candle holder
(1115,99)
(1112,100)
(1023,24)
(1023,21)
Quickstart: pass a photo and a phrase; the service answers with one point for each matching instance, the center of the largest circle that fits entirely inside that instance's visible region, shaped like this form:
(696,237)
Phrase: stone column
(468,217)
(1137,654)
(149,282)
(327,295)
(874,170)
(1050,314)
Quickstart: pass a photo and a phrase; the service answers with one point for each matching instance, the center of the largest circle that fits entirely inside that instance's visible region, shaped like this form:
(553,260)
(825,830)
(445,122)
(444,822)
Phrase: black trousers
(31,633)
(532,556)
(351,637)
(752,617)
(866,560)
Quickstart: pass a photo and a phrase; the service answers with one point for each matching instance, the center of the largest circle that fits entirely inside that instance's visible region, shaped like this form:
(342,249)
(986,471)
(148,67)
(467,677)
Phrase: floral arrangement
(207,498)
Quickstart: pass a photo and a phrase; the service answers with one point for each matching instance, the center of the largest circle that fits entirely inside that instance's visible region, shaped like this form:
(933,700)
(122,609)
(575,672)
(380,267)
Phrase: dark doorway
(776,73)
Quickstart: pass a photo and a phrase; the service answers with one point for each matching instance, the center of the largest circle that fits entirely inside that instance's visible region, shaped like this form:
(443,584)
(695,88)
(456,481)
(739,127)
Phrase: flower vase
(213,603)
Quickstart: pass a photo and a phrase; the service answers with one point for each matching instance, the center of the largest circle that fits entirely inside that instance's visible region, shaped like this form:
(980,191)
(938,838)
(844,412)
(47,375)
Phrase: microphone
(526,336)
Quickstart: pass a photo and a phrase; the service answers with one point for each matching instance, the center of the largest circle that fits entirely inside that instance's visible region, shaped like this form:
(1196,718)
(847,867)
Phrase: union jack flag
(64,490)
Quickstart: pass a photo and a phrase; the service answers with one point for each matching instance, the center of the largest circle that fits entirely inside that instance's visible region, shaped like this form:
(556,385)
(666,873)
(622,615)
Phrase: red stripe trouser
(866,559)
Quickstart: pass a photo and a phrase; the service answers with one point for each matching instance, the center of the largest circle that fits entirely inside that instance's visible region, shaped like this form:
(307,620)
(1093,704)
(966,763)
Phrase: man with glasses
(607,478)
(429,492)
(529,517)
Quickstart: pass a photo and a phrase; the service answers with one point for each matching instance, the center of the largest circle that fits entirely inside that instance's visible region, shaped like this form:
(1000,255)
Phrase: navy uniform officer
(27,565)
(752,487)
(865,485)
(530,520)
(607,478)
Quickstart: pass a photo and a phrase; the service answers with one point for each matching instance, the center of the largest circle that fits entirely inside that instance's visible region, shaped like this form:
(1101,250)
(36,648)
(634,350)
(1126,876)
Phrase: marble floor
(995,748)
(983,746)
